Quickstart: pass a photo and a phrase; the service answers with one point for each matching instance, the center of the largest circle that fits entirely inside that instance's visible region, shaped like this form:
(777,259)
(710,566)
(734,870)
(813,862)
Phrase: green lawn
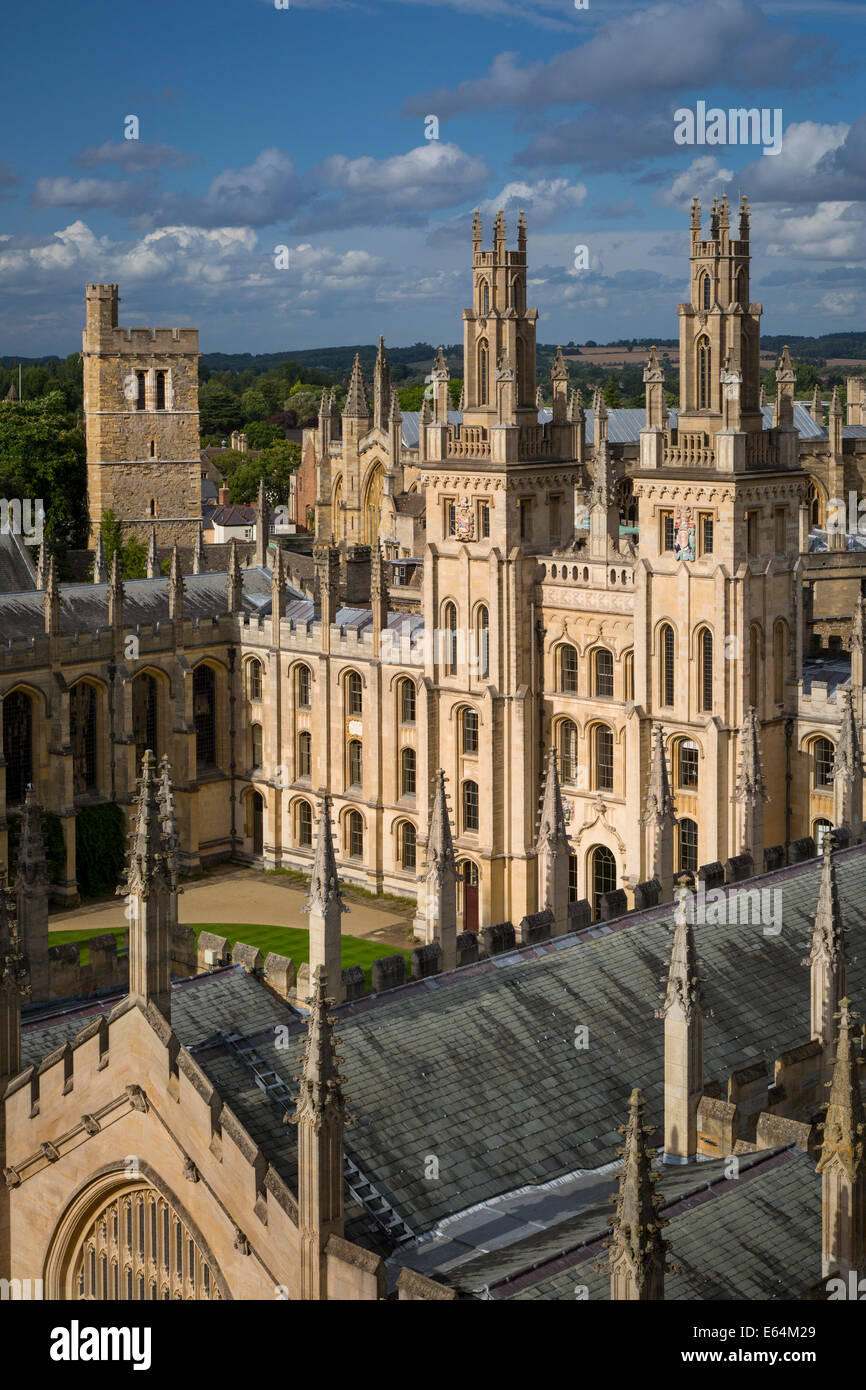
(286,941)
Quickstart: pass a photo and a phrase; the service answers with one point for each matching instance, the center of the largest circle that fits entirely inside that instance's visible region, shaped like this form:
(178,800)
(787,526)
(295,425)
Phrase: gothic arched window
(355,835)
(568,670)
(484,298)
(470,806)
(667,659)
(603,874)
(254,679)
(568,750)
(408,845)
(602,738)
(823,764)
(145,708)
(408,766)
(407,702)
(483,371)
(305,754)
(704,367)
(303,687)
(204,713)
(603,661)
(482,641)
(354,694)
(82,731)
(687,831)
(355,775)
(17,745)
(450,640)
(705,671)
(706,293)
(304,825)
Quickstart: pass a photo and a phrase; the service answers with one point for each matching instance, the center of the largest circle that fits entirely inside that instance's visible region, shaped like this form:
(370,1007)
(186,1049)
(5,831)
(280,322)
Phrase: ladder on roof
(365,1192)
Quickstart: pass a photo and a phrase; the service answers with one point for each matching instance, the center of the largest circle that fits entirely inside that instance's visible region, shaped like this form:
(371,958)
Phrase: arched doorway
(469,889)
(257,819)
(131,1241)
(602,876)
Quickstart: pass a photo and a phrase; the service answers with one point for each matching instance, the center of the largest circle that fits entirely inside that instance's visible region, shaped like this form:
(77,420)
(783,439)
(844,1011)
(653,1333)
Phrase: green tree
(275,464)
(42,456)
(260,434)
(612,398)
(132,552)
(219,408)
(254,406)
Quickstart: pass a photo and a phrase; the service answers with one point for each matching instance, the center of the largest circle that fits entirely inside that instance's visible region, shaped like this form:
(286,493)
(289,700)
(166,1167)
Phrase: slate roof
(479,1067)
(14,570)
(84,607)
(756,1238)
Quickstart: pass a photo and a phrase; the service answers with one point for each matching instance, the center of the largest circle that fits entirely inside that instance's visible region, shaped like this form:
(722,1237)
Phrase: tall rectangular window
(707,536)
(667,531)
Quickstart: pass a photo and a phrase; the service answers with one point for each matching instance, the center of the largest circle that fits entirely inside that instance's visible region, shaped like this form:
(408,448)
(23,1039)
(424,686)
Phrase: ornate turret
(826,959)
(553,850)
(559,377)
(638,1251)
(440,376)
(381,389)
(842,1164)
(325,907)
(320,1114)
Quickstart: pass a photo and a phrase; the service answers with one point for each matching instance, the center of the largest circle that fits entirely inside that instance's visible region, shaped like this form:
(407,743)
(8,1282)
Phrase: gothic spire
(147,864)
(828,933)
(638,1250)
(750,778)
(684,990)
(152,556)
(849,759)
(40,566)
(552,828)
(559,370)
(263,525)
(100,568)
(440,844)
(32,869)
(324,883)
(817,406)
(382,393)
(234,579)
(395,414)
(52,600)
(175,589)
(356,399)
(844,1127)
(115,593)
(170,836)
(198,551)
(320,1093)
(659,802)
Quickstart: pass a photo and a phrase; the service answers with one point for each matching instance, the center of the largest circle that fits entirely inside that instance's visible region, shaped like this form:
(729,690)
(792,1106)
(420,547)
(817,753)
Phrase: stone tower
(638,1252)
(141,418)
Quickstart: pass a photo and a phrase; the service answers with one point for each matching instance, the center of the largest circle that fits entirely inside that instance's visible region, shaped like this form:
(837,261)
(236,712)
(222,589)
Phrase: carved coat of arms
(464,520)
(684,533)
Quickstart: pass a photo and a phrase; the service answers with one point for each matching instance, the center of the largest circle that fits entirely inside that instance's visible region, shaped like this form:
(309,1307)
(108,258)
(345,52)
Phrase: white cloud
(703,179)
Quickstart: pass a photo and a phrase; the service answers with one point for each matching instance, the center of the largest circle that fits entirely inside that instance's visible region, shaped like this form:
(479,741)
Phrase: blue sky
(305,127)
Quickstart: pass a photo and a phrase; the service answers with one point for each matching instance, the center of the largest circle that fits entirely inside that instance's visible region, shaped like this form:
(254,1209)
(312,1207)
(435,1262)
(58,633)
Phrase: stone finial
(521,231)
(175,588)
(320,1091)
(696,215)
(684,994)
(500,232)
(845,1125)
(395,414)
(325,405)
(152,556)
(857,639)
(32,871)
(356,407)
(324,882)
(828,932)
(836,403)
(52,601)
(100,568)
(263,526)
(744,218)
(638,1251)
(476,230)
(817,406)
(559,370)
(147,868)
(278,585)
(440,843)
(659,802)
(40,566)
(552,830)
(763,397)
(168,818)
(539,399)
(198,564)
(382,394)
(653,371)
(425,416)
(849,758)
(234,579)
(440,370)
(750,777)
(115,593)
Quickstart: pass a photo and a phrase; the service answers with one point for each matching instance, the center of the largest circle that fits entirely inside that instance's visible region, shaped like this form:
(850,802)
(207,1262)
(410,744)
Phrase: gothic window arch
(373,504)
(354,835)
(602,661)
(204,713)
(667,665)
(354,694)
(254,679)
(823,764)
(568,669)
(407,840)
(469,798)
(303,687)
(567,742)
(602,757)
(820,828)
(354,761)
(705,670)
(686,762)
(482,640)
(814,503)
(338,518)
(602,876)
(305,754)
(408,771)
(706,292)
(483,372)
(469,731)
(255,747)
(18,745)
(484,298)
(83,737)
(408,702)
(449,639)
(704,374)
(304,824)
(145,716)
(687,842)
